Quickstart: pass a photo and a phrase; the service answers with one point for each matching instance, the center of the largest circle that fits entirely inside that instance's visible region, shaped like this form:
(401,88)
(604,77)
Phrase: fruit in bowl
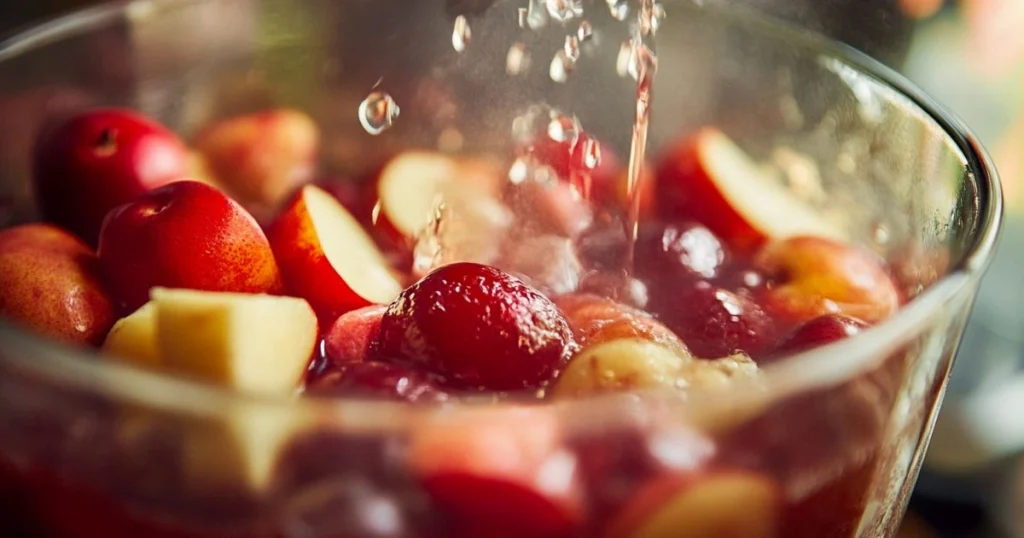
(516,295)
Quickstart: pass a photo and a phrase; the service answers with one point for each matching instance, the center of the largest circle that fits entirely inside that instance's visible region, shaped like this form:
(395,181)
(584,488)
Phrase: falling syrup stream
(646,68)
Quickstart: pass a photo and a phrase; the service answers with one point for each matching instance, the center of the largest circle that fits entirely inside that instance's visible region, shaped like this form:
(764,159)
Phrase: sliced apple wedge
(716,505)
(621,365)
(133,338)
(707,177)
(254,343)
(409,184)
(326,257)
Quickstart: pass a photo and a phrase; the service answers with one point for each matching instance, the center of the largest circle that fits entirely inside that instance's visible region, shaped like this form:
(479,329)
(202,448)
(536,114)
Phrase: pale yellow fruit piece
(620,365)
(133,338)
(253,343)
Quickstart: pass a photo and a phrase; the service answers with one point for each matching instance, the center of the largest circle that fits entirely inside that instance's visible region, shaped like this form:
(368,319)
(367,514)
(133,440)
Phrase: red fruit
(185,235)
(349,338)
(679,251)
(712,321)
(378,380)
(499,474)
(99,160)
(478,327)
(818,332)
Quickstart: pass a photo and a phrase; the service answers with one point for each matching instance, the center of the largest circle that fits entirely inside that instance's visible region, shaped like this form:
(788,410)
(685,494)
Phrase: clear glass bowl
(829,445)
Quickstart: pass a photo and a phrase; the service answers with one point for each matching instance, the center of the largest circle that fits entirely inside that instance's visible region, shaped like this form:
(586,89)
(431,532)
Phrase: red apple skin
(686,191)
(306,270)
(813,276)
(260,158)
(185,235)
(99,160)
(51,282)
(483,472)
(349,337)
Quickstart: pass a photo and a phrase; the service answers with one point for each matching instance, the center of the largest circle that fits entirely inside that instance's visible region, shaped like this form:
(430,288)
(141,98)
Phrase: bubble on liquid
(572,47)
(527,169)
(564,10)
(378,112)
(619,9)
(564,128)
(590,149)
(518,60)
(562,67)
(585,31)
(536,14)
(461,34)
(531,123)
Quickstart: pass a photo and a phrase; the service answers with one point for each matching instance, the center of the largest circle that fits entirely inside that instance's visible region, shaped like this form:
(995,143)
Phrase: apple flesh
(409,186)
(253,343)
(499,473)
(706,177)
(133,338)
(260,158)
(99,160)
(813,276)
(185,235)
(595,320)
(51,283)
(716,505)
(327,258)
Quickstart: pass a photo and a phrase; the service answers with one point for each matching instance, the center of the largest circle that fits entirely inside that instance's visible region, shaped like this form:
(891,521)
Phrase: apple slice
(133,338)
(620,365)
(327,258)
(499,472)
(708,178)
(257,343)
(717,505)
(409,184)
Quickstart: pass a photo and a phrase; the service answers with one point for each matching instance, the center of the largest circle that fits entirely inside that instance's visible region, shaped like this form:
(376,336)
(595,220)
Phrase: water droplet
(657,16)
(517,61)
(564,10)
(562,66)
(648,21)
(591,151)
(524,17)
(585,31)
(536,14)
(527,169)
(572,47)
(619,9)
(624,59)
(519,172)
(462,34)
(563,128)
(427,251)
(881,233)
(378,112)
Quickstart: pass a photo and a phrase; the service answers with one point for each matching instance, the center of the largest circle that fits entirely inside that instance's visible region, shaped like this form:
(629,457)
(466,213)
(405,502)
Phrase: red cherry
(818,332)
(99,160)
(476,326)
(674,251)
(713,322)
(378,380)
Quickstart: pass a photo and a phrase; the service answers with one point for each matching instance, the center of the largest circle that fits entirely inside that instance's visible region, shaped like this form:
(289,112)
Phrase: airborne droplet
(461,34)
(378,112)
(562,67)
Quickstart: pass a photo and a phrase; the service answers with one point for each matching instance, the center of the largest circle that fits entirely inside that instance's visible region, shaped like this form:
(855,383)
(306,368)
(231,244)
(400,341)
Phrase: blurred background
(969,54)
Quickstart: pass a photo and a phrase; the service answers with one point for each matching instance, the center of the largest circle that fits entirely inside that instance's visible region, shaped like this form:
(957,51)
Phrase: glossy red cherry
(685,250)
(477,327)
(713,322)
(378,380)
(349,338)
(99,160)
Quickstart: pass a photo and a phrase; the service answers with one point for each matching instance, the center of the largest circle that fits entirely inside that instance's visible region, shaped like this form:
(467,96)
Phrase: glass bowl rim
(76,368)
